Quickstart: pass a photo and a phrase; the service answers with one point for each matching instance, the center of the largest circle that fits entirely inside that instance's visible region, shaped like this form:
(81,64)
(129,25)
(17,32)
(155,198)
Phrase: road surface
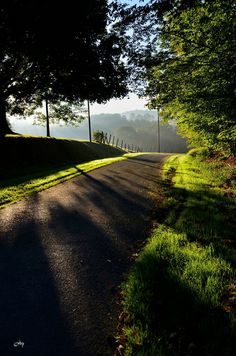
(63,254)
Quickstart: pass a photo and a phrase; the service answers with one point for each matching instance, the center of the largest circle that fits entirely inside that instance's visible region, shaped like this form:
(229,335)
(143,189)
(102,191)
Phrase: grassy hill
(31,164)
(21,155)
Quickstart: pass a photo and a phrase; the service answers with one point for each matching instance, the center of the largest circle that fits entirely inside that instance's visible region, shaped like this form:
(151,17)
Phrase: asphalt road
(63,254)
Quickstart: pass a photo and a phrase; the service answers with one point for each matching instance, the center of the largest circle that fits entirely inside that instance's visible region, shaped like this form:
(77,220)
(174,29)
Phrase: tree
(56,51)
(195,79)
(188,60)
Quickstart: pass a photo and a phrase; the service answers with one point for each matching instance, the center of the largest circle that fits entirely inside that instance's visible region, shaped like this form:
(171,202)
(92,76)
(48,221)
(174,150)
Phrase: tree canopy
(188,57)
(59,51)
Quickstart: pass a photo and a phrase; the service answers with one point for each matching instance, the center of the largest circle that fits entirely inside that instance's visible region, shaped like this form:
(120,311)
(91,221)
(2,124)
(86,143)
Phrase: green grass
(23,154)
(180,296)
(15,189)
(30,164)
(205,195)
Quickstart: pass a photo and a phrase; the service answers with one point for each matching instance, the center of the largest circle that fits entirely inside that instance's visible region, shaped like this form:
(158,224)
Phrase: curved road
(63,254)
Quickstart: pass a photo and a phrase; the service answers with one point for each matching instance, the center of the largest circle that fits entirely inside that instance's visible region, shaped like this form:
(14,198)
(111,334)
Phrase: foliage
(199,152)
(62,113)
(59,112)
(186,51)
(194,79)
(98,136)
(58,51)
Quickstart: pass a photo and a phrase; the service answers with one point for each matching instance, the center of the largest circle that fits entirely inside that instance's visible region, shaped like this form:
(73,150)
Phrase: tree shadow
(29,303)
(182,324)
(204,216)
(64,253)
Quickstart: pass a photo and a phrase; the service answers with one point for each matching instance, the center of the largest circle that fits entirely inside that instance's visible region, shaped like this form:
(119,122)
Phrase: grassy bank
(31,164)
(180,297)
(21,154)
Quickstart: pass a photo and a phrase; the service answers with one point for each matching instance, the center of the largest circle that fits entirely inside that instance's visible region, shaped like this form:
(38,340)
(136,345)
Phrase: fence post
(106,138)
(109,140)
(121,144)
(117,141)
(113,140)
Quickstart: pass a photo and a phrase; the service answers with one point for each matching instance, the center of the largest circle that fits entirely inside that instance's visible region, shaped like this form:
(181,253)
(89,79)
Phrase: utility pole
(158,130)
(47,118)
(89,122)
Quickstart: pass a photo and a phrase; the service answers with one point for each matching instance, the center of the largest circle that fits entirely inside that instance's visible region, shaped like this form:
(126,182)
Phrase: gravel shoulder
(63,254)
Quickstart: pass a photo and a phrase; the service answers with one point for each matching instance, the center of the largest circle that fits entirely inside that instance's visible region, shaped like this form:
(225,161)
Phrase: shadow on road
(63,254)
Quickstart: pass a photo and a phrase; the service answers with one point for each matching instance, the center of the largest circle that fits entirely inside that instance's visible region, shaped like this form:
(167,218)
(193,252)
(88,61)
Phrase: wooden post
(158,127)
(105,138)
(47,117)
(89,122)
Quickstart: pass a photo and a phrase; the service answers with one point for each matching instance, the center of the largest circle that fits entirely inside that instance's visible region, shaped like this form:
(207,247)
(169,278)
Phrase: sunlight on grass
(179,297)
(181,278)
(14,190)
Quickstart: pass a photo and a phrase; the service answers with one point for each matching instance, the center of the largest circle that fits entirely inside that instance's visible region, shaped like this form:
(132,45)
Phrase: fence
(116,142)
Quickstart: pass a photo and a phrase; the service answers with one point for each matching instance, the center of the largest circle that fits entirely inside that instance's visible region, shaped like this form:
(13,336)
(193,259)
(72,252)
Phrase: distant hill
(142,124)
(138,114)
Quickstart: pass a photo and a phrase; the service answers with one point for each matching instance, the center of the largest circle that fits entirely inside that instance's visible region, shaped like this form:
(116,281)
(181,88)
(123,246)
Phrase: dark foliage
(58,51)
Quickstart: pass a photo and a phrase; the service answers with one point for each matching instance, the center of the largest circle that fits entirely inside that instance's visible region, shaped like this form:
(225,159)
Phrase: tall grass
(180,297)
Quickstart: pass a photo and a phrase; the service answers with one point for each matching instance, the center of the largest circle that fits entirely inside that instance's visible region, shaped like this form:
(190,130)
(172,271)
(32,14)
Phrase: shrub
(98,136)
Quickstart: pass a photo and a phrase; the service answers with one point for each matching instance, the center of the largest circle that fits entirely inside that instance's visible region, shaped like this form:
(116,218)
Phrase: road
(63,254)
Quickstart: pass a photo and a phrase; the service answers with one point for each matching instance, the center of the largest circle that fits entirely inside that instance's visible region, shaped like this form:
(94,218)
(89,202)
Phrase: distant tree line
(141,131)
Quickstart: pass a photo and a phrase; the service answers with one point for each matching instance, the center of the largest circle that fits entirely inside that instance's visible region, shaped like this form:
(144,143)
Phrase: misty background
(136,127)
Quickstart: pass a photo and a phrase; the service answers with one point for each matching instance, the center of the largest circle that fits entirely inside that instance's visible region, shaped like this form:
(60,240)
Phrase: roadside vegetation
(180,296)
(36,163)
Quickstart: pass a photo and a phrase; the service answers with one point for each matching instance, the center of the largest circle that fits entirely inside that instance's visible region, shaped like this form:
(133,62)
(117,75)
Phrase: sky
(127,104)
(119,105)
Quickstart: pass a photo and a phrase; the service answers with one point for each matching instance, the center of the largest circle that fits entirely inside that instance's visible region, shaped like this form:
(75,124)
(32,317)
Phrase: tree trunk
(4,125)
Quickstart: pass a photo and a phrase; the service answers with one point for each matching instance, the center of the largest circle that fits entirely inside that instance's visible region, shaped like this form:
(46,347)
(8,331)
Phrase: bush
(98,136)
(202,152)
